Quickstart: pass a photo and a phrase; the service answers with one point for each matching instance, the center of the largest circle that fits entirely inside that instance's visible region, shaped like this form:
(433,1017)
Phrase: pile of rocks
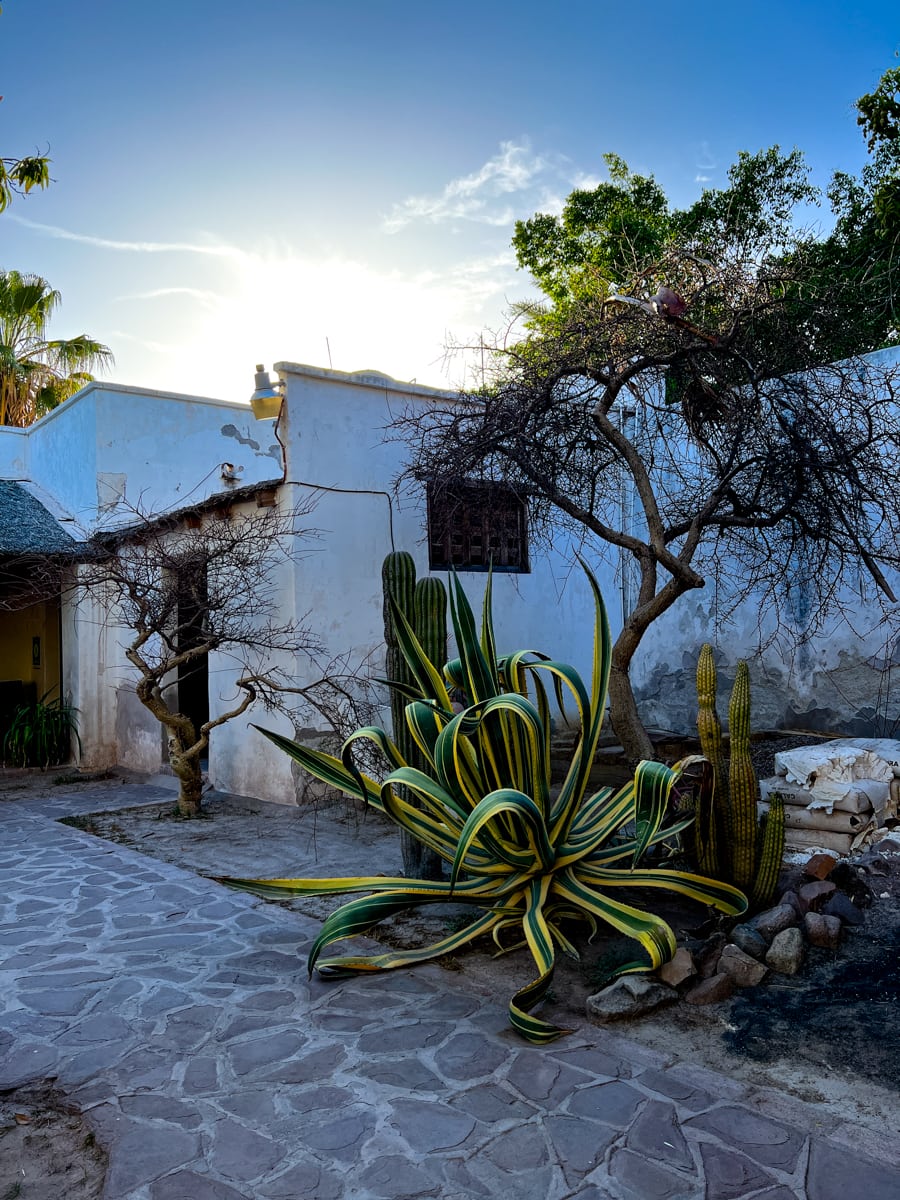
(823,897)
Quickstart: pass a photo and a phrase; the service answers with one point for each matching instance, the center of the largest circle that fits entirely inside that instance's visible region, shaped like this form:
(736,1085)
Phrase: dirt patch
(841,1010)
(47,1150)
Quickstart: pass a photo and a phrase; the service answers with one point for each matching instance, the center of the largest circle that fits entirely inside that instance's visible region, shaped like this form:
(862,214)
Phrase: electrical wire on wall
(322,487)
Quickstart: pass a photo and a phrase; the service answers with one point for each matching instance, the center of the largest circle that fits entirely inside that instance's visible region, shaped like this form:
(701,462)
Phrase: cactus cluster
(424,605)
(731,842)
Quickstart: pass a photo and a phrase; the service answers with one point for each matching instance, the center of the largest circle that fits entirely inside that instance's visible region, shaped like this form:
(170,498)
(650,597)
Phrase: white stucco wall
(13,453)
(843,678)
(101,455)
(149,450)
(334,428)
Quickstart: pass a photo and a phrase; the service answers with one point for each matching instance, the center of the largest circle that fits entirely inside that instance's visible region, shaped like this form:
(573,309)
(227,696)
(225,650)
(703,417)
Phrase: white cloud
(515,182)
(119,335)
(705,163)
(219,250)
(201,294)
(474,197)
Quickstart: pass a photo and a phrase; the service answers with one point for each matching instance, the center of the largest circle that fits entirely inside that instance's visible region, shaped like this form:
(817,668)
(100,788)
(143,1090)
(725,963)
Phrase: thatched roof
(26,527)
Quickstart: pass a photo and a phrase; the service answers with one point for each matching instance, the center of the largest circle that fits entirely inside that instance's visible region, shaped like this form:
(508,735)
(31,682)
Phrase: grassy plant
(529,860)
(41,733)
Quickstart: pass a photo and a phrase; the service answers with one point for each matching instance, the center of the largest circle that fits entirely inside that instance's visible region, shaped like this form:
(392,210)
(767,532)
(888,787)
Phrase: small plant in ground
(86,824)
(731,842)
(41,733)
(532,862)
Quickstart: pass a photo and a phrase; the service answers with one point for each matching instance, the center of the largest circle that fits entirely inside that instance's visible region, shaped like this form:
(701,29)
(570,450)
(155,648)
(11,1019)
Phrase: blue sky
(240,182)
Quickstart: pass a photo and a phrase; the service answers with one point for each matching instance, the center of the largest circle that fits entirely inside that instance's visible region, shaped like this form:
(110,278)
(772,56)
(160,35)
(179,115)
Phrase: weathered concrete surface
(178,1016)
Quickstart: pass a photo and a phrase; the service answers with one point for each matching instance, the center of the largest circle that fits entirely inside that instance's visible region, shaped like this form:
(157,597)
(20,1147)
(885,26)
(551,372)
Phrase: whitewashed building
(320,440)
(112,450)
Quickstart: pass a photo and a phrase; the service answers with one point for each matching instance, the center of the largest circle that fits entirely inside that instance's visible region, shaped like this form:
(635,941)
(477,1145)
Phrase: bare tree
(183,587)
(679,420)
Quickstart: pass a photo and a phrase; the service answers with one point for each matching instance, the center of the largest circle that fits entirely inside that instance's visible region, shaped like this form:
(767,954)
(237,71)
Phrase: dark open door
(193,677)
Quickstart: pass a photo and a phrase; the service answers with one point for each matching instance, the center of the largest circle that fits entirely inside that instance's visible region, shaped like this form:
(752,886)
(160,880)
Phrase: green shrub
(40,734)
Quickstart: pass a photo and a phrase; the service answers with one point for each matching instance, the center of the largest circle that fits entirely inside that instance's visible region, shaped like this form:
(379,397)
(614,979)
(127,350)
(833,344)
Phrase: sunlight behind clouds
(210,308)
(282,306)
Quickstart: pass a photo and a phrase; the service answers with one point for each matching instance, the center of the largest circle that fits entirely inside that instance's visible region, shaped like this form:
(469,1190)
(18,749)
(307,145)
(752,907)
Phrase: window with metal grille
(476,526)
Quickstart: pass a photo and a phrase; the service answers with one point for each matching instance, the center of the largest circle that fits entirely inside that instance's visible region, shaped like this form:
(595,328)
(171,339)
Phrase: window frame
(446,500)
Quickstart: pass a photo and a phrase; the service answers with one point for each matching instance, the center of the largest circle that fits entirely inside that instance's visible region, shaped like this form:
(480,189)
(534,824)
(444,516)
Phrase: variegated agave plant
(531,860)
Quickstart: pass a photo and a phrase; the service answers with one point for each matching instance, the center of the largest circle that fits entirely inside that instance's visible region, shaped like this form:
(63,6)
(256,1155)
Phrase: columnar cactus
(430,619)
(730,843)
(398,577)
(712,811)
(770,852)
(743,788)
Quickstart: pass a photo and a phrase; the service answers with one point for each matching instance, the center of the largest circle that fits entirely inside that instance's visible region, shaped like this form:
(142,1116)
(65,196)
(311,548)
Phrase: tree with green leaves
(38,373)
(20,175)
(879,118)
(689,399)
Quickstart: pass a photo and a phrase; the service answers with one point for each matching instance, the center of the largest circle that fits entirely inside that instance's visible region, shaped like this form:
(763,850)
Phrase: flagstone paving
(178,1016)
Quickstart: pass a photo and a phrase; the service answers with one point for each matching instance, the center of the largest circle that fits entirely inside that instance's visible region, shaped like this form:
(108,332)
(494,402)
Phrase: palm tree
(36,375)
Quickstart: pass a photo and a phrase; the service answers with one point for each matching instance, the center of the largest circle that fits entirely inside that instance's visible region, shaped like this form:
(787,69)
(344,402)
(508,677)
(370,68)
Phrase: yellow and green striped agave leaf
(523,668)
(516,675)
(409,691)
(540,943)
(651,931)
(328,768)
(351,964)
(530,1027)
(623,850)
(480,680)
(426,674)
(439,820)
(488,641)
(425,722)
(723,896)
(358,916)
(440,804)
(472,891)
(531,851)
(576,780)
(457,765)
(518,748)
(434,820)
(653,785)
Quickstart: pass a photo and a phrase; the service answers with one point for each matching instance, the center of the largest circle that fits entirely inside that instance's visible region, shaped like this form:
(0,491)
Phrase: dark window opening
(193,676)
(476,526)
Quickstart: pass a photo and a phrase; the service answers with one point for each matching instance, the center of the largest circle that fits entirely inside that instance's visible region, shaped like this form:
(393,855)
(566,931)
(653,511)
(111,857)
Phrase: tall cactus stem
(398,575)
(712,810)
(742,784)
(430,619)
(771,852)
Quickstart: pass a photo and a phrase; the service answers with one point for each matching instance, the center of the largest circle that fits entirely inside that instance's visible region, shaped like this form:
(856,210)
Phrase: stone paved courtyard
(177,1016)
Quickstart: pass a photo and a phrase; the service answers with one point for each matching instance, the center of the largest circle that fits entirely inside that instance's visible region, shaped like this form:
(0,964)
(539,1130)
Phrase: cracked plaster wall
(836,682)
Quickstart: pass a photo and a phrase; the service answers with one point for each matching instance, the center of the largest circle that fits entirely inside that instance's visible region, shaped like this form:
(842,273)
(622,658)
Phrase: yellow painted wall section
(17,631)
